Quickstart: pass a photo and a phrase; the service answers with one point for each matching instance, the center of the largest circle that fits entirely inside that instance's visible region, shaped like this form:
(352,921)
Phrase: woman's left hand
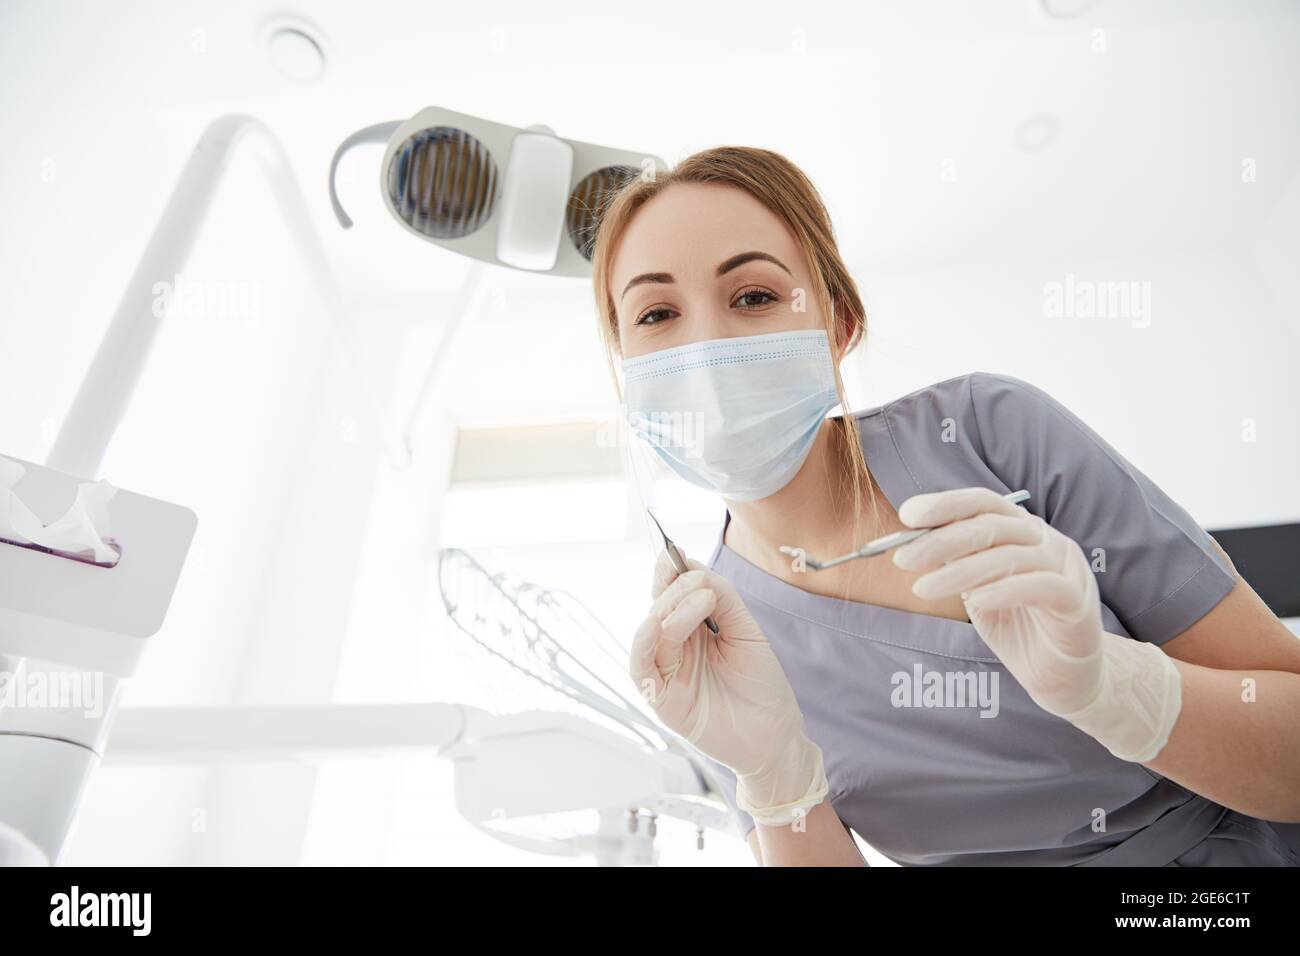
(1027,588)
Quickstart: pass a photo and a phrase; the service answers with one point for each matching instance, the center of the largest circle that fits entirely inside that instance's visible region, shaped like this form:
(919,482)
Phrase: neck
(810,512)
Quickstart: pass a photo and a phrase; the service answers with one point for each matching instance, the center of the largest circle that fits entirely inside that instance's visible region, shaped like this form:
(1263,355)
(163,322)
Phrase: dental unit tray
(67,608)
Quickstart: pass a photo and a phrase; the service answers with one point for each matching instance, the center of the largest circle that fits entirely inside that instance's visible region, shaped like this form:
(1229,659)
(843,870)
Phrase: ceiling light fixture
(1066,9)
(295,50)
(1037,133)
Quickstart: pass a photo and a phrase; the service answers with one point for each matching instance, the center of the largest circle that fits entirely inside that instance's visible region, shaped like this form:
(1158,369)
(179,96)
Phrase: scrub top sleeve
(1156,568)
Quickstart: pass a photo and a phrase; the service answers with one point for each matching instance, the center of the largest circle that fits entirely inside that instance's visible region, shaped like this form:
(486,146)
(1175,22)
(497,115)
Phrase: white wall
(1173,396)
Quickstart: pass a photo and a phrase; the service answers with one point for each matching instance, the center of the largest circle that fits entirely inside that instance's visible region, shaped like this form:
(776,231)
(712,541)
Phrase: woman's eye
(754,298)
(652,317)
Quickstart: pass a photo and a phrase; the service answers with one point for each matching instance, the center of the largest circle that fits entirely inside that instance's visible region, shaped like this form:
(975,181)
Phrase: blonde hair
(784,189)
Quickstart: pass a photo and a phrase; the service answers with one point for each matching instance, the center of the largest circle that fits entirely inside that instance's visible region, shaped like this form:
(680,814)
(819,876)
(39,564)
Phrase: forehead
(691,227)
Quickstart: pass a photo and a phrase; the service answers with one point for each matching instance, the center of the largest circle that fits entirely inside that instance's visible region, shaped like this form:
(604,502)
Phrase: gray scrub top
(943,785)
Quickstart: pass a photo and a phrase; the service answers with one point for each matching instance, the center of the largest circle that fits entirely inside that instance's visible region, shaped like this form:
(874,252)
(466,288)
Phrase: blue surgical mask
(735,416)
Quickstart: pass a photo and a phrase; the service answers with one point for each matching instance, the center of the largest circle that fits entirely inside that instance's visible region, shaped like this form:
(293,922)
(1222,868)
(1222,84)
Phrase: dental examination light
(523,198)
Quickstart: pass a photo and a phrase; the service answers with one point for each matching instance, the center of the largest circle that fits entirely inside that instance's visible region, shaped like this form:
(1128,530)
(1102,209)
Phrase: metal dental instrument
(679,562)
(881,545)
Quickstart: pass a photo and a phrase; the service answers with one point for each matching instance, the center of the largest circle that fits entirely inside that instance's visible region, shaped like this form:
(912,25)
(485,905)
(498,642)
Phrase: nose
(712,321)
(707,316)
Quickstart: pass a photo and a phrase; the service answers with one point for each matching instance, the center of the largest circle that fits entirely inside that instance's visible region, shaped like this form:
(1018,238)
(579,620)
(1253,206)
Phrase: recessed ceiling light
(1066,9)
(1037,132)
(295,53)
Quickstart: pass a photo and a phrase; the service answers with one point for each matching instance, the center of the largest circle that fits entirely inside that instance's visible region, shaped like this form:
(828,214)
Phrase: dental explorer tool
(679,562)
(881,545)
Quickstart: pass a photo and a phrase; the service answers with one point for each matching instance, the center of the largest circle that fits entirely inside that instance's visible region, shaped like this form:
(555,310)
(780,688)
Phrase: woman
(1081,681)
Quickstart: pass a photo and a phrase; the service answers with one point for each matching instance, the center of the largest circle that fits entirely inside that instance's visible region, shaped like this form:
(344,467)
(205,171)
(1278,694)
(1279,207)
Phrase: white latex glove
(1033,599)
(725,693)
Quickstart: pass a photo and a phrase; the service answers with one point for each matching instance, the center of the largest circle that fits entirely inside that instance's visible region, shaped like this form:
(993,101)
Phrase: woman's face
(708,261)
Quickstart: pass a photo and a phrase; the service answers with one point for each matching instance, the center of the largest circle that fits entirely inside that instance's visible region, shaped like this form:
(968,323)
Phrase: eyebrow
(735,262)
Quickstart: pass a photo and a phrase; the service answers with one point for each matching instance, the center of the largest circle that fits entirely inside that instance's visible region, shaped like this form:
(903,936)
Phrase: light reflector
(443,183)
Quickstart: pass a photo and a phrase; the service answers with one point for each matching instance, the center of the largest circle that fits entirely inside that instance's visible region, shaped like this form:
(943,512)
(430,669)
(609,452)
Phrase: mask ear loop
(843,336)
(842,333)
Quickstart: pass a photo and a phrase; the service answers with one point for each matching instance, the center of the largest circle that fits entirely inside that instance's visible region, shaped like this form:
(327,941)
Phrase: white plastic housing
(95,618)
(533,197)
(537,217)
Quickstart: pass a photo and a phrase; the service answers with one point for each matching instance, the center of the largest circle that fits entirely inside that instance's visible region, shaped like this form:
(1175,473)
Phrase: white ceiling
(1151,131)
(871,98)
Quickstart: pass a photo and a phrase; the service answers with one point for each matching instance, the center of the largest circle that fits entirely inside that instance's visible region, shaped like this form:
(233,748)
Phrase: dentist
(1148,700)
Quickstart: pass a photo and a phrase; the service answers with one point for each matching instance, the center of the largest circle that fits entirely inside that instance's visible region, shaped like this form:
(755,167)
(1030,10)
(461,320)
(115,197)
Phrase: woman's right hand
(726,693)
